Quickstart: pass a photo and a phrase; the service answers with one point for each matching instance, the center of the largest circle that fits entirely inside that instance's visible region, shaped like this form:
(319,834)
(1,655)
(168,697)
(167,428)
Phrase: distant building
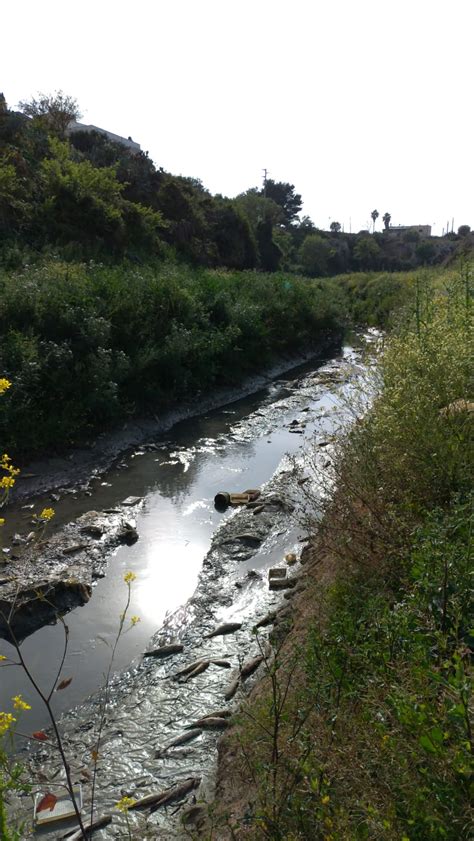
(398,230)
(125,141)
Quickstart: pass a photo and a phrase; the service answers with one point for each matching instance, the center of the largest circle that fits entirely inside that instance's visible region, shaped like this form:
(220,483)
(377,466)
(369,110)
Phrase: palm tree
(386,220)
(335,227)
(375,216)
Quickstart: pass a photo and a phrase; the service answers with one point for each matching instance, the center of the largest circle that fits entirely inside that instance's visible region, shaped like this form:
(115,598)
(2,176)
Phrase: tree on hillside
(314,255)
(375,216)
(55,111)
(335,227)
(426,252)
(386,220)
(367,252)
(284,195)
(464,230)
(257,208)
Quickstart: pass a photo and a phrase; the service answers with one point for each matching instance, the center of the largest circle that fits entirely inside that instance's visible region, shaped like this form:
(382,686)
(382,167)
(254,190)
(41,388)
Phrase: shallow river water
(241,445)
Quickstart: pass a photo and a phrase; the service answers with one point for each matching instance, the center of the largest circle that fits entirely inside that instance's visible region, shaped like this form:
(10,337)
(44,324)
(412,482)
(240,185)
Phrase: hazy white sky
(360,104)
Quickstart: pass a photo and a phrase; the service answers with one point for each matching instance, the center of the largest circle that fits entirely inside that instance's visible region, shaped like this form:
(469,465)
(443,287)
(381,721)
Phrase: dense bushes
(85,344)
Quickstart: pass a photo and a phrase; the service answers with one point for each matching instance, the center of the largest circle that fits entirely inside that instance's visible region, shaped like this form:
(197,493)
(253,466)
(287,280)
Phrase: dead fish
(189,668)
(232,688)
(89,828)
(227,628)
(197,671)
(210,723)
(219,714)
(250,539)
(195,814)
(180,740)
(168,795)
(267,620)
(165,650)
(250,667)
(224,664)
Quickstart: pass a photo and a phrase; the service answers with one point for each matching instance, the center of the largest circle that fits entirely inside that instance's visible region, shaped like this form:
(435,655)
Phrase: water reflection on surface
(229,449)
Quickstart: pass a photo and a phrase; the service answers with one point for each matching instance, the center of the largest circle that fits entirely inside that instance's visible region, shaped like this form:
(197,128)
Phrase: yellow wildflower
(47,514)
(6,721)
(129,577)
(4,384)
(325,800)
(7,482)
(2,657)
(20,704)
(134,620)
(125,803)
(2,521)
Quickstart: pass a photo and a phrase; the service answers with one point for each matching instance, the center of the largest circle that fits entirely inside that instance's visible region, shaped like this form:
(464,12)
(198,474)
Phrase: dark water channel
(240,445)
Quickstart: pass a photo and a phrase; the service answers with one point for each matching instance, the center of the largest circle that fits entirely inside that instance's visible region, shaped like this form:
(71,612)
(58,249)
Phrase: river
(243,444)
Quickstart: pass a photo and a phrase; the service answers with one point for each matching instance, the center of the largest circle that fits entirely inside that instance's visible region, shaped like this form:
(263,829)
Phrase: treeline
(82,196)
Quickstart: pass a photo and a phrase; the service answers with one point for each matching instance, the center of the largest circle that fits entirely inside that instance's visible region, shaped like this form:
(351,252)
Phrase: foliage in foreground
(372,736)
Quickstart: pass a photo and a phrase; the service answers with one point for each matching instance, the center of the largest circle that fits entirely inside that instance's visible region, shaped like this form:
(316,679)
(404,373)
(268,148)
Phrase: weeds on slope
(383,691)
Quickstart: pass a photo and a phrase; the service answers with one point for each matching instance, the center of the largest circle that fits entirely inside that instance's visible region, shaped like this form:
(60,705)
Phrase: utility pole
(265,173)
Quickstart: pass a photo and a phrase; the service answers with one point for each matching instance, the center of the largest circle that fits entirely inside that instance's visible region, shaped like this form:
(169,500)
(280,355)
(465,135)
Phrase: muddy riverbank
(77,466)
(148,709)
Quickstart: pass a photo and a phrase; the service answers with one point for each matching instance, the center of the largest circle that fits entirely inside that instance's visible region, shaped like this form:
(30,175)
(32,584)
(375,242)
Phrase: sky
(361,104)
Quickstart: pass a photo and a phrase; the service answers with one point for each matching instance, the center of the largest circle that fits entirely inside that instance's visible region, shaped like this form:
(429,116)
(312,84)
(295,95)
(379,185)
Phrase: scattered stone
(227,628)
(128,534)
(290,559)
(282,583)
(132,500)
(76,547)
(258,509)
(224,664)
(276,572)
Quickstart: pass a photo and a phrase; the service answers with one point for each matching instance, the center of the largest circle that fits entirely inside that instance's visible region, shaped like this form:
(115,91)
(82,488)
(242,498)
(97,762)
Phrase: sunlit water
(238,446)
